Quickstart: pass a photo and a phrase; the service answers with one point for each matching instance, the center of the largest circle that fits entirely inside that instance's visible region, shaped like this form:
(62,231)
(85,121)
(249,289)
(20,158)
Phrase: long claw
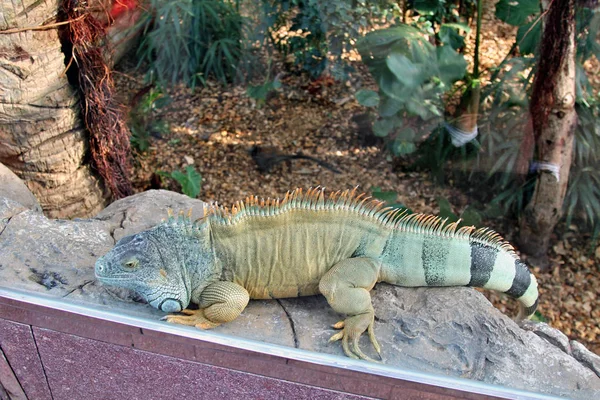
(371,332)
(359,352)
(178,319)
(347,348)
(336,337)
(191,318)
(338,325)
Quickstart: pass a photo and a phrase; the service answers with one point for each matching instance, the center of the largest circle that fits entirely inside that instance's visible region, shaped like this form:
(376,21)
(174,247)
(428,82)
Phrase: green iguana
(339,246)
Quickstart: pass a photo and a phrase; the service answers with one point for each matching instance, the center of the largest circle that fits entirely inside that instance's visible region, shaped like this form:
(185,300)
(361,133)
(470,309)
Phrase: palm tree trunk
(42,138)
(554,121)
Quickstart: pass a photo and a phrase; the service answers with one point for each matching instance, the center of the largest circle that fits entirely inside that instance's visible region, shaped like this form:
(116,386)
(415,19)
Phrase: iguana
(339,246)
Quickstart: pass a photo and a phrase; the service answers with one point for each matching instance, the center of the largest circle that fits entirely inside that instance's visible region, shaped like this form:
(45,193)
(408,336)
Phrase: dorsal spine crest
(347,201)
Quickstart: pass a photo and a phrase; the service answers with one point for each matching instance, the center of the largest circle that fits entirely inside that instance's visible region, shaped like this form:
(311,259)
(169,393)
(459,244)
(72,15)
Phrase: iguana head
(152,263)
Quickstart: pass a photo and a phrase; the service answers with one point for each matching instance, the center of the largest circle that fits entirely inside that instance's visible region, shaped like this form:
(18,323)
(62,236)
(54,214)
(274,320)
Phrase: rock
(449,331)
(548,333)
(142,211)
(13,188)
(9,208)
(586,357)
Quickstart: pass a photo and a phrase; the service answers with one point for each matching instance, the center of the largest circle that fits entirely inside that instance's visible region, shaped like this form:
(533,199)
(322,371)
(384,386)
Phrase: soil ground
(215,127)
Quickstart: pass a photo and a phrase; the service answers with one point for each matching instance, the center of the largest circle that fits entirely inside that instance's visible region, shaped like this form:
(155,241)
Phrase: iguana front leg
(220,302)
(346,287)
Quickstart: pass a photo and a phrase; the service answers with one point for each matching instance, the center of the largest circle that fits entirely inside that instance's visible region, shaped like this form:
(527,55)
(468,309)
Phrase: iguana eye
(131,264)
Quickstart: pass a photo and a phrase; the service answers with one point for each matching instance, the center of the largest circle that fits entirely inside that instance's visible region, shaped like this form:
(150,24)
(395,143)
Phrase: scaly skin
(306,245)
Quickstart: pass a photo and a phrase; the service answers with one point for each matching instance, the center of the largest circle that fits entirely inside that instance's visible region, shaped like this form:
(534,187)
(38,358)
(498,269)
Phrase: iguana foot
(191,318)
(351,330)
(346,287)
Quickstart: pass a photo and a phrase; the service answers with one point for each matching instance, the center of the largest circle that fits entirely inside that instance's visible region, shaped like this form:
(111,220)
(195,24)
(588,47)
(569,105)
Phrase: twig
(41,27)
(67,67)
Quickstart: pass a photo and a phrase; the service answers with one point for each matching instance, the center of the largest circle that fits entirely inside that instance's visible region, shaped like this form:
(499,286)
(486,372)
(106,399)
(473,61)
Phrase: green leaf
(388,197)
(401,147)
(458,25)
(529,36)
(494,210)
(593,29)
(383,127)
(405,70)
(257,92)
(422,53)
(449,36)
(516,12)
(428,6)
(377,44)
(422,108)
(190,181)
(261,92)
(446,209)
(158,128)
(471,216)
(367,98)
(392,87)
(389,106)
(538,317)
(407,135)
(162,101)
(452,65)
(140,139)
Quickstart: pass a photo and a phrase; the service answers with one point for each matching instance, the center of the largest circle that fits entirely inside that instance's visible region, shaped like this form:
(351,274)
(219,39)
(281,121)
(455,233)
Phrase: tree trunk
(41,134)
(554,120)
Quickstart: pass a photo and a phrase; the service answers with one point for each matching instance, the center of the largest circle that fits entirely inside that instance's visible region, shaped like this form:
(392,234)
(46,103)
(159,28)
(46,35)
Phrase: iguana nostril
(99,266)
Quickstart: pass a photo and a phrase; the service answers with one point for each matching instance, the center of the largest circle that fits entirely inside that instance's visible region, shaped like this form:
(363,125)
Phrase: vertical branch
(477,39)
(467,113)
(553,121)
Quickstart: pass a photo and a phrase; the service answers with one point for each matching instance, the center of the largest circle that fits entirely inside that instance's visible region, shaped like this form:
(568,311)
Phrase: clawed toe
(336,337)
(191,318)
(338,325)
(359,352)
(373,339)
(351,329)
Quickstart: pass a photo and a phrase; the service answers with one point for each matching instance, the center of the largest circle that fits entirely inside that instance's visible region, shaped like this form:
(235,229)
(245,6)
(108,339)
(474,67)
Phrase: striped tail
(497,269)
(413,260)
(426,251)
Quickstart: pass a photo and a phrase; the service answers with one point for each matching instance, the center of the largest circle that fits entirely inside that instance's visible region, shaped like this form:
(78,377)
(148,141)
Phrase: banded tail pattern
(493,268)
(427,251)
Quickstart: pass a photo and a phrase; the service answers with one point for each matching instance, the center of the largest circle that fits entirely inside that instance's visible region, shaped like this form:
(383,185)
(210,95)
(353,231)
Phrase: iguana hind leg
(220,302)
(346,287)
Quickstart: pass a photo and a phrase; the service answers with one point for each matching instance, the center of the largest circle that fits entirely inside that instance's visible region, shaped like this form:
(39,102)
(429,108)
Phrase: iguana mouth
(115,281)
(107,279)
